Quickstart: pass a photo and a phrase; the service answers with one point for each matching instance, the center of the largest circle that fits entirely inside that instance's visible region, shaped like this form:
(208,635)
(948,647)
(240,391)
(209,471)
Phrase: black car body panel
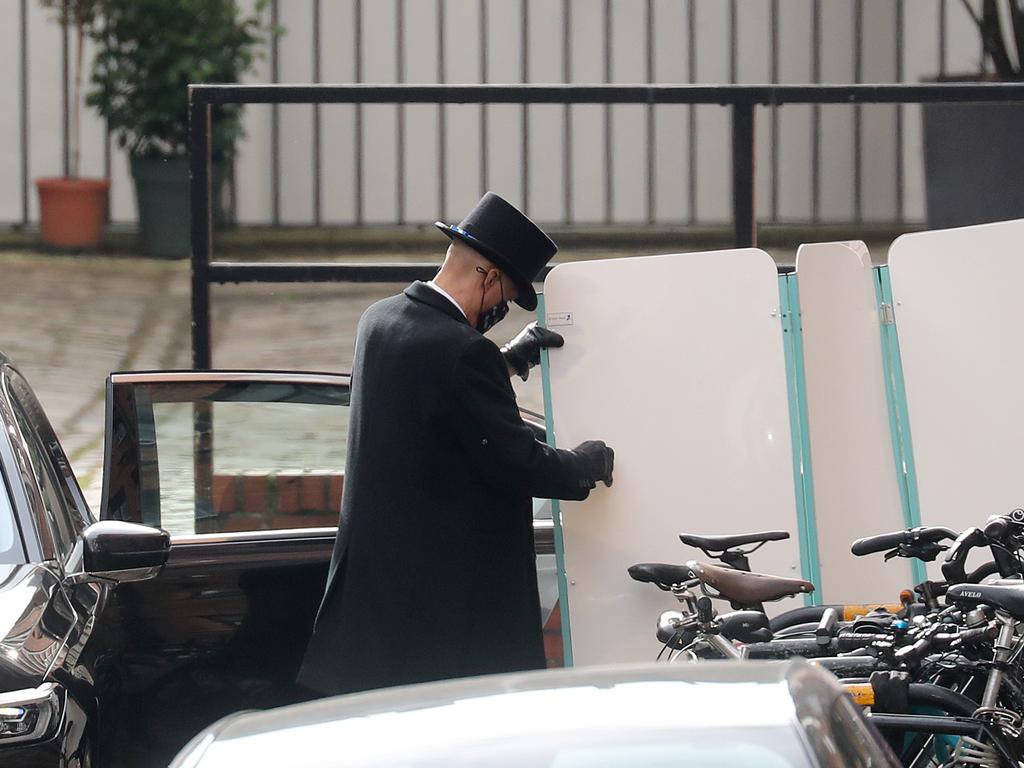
(45,620)
(223,628)
(36,620)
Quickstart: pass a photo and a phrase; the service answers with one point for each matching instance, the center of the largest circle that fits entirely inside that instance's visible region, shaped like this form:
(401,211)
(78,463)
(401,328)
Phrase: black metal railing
(741,100)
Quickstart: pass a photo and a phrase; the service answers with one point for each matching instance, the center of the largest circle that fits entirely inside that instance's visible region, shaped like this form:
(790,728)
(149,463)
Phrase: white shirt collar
(445,293)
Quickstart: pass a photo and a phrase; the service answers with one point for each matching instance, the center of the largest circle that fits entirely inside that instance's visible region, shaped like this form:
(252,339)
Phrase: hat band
(464,233)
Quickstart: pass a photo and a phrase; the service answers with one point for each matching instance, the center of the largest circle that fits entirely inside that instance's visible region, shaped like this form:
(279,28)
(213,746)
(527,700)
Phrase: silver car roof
(644,698)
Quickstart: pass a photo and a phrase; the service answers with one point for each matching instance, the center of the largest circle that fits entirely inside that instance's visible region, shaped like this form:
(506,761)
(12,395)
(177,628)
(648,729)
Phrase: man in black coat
(433,574)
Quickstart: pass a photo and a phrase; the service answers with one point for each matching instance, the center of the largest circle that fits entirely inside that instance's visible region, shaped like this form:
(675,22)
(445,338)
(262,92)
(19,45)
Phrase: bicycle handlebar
(884,541)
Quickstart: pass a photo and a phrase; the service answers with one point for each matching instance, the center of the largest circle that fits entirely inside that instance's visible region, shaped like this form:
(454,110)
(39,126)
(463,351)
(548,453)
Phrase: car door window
(238,456)
(55,482)
(857,744)
(56,513)
(10,538)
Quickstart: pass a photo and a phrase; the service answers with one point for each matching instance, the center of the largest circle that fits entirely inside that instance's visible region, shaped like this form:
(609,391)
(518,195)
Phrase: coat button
(484,441)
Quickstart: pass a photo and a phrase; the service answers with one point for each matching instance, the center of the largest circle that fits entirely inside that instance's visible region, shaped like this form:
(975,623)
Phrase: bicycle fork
(1001,655)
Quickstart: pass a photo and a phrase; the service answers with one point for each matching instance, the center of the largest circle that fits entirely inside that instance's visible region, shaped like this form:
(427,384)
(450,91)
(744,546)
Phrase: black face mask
(487,320)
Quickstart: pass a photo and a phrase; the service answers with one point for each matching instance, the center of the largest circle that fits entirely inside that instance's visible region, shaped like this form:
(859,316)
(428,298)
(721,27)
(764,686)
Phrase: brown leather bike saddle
(747,588)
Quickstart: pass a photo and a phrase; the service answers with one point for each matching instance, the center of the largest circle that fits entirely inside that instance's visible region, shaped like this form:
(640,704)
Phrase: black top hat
(505,236)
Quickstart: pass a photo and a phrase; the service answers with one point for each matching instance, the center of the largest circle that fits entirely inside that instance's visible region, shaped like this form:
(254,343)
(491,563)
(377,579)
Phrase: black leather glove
(523,352)
(600,459)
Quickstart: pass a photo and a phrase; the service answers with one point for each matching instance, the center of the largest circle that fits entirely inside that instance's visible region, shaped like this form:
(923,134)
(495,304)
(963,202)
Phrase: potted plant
(72,209)
(148,52)
(974,170)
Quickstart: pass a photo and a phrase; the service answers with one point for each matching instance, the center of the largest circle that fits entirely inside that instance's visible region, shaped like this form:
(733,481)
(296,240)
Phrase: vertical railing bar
(691,112)
(774,64)
(357,53)
(275,121)
(733,43)
(900,180)
(943,44)
(609,172)
(649,10)
(983,57)
(65,45)
(816,115)
(733,33)
(567,211)
(442,116)
(107,170)
(858,119)
(232,212)
(525,78)
(743,210)
(199,167)
(23,98)
(484,76)
(400,118)
(317,134)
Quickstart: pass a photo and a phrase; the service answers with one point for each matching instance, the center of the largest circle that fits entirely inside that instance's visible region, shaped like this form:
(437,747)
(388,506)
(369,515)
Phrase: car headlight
(27,715)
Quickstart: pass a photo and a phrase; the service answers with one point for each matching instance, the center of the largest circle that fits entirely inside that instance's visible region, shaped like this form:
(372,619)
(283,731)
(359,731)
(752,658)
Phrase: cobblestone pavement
(68,321)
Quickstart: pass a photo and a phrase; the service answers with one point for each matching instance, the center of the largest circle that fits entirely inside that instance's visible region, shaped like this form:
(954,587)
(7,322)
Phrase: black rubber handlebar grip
(879,543)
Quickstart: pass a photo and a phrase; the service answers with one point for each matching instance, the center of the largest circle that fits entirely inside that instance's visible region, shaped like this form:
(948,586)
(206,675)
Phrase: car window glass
(242,456)
(58,514)
(10,539)
(53,451)
(855,742)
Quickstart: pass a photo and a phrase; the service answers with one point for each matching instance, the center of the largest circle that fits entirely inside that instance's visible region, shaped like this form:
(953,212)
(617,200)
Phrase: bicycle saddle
(746,588)
(662,574)
(728,541)
(1005,597)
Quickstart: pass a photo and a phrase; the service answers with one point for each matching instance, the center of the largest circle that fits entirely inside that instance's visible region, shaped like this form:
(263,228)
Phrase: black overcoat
(433,574)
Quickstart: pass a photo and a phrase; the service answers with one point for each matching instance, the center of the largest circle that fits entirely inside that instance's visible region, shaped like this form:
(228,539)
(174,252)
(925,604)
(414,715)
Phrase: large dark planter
(974,166)
(162,193)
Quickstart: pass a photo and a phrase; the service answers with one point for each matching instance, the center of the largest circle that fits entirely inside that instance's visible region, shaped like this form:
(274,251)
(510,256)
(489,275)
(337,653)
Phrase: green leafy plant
(81,15)
(149,51)
(1001,25)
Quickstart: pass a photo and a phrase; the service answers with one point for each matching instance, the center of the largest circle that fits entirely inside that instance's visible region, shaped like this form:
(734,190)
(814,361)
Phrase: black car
(57,571)
(106,659)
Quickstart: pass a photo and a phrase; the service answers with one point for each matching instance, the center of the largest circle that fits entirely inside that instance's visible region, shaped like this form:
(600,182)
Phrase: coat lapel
(420,291)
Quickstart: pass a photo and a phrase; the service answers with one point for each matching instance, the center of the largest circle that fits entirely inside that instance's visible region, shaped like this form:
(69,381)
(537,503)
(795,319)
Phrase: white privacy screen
(960,315)
(856,490)
(677,363)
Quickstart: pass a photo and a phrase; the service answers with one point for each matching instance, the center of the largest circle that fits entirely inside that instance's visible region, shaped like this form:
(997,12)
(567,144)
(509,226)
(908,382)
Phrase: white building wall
(564,183)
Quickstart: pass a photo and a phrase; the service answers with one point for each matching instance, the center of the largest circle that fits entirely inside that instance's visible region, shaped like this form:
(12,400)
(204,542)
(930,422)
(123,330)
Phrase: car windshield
(772,747)
(10,544)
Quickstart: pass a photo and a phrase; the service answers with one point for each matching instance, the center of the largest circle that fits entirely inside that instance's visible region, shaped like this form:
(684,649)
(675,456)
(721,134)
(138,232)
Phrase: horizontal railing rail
(742,100)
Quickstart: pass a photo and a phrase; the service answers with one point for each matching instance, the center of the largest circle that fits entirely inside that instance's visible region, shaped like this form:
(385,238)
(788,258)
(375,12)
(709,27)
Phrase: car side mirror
(116,551)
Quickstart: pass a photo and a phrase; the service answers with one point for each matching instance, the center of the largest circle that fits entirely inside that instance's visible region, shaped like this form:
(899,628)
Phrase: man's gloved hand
(600,458)
(523,352)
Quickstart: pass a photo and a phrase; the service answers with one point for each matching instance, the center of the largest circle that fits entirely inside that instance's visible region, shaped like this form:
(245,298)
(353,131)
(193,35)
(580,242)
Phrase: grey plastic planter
(162,193)
(974,163)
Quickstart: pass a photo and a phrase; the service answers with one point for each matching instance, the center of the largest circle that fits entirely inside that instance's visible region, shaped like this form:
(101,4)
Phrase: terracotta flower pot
(72,211)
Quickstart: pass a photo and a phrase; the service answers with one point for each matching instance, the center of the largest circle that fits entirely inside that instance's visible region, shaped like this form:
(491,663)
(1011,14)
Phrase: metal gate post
(201,211)
(743,217)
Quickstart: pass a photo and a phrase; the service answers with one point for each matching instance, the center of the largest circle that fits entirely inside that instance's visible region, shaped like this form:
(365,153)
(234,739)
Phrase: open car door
(245,470)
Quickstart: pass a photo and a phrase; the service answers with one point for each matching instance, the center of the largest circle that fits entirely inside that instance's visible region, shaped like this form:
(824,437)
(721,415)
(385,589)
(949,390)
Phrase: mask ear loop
(483,293)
